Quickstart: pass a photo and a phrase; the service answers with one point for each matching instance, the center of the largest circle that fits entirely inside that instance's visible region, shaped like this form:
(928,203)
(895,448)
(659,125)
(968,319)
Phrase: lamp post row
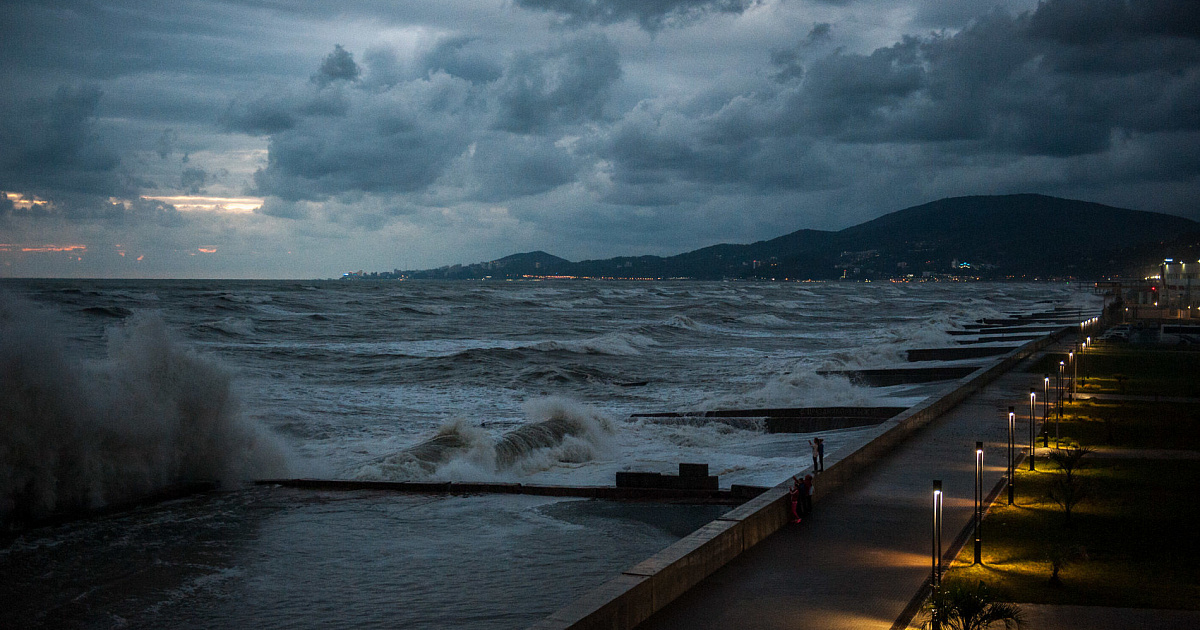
(935,579)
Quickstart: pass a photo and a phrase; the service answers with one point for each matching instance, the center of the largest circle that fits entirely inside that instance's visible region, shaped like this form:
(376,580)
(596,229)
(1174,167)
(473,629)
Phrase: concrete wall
(642,590)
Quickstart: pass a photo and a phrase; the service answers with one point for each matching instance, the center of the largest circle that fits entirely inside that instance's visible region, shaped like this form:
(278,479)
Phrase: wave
(683,322)
(765,319)
(560,431)
(616,344)
(803,388)
(552,374)
(107,311)
(426,309)
(576,303)
(231,326)
(82,434)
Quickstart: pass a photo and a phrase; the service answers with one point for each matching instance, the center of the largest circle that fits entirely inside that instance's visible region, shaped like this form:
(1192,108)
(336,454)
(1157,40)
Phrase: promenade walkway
(859,560)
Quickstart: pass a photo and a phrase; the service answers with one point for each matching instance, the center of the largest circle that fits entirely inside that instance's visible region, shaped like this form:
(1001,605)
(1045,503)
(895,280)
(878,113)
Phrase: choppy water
(344,378)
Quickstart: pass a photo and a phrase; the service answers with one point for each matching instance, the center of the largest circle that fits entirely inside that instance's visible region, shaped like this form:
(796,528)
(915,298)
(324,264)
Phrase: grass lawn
(1137,524)
(1130,424)
(1137,528)
(1135,370)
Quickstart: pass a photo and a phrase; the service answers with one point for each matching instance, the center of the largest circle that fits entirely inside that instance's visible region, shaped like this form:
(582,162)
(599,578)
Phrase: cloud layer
(588,128)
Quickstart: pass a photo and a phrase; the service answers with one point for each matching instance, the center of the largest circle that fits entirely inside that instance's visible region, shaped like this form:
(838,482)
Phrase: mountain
(1009,236)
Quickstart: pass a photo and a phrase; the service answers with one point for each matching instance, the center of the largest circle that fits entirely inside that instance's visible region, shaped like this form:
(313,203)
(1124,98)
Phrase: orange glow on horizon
(8,247)
(207,250)
(195,203)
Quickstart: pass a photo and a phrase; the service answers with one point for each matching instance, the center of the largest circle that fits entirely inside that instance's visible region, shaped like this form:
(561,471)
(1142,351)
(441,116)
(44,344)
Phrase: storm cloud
(650,14)
(389,135)
(463,130)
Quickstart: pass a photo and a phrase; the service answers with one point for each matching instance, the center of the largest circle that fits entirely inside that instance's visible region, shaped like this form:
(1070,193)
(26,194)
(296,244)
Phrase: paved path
(1099,618)
(866,552)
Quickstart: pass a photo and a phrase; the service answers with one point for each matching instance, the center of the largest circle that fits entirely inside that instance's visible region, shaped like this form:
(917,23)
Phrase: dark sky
(281,139)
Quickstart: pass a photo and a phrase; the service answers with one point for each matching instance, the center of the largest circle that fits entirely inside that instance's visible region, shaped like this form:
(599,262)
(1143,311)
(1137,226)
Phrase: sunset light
(231,205)
(24,203)
(7,247)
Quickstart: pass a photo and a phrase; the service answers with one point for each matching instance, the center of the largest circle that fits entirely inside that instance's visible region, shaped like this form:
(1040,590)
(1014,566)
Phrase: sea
(112,389)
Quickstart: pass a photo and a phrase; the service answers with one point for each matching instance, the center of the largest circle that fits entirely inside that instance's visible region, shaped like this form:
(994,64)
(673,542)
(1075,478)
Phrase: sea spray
(78,434)
(562,431)
(457,439)
(559,432)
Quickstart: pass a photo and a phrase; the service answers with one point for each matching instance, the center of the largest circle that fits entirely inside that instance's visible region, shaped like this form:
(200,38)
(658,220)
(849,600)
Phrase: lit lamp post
(1045,413)
(1032,421)
(1074,376)
(1071,362)
(1012,424)
(1087,344)
(978,502)
(1062,367)
(935,580)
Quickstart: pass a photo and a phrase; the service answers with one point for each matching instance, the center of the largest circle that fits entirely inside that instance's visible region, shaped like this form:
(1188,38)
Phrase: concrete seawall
(640,591)
(735,495)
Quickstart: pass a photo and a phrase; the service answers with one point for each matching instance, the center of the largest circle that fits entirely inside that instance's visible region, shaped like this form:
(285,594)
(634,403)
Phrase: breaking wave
(683,322)
(616,344)
(231,326)
(559,432)
(765,319)
(801,389)
(83,434)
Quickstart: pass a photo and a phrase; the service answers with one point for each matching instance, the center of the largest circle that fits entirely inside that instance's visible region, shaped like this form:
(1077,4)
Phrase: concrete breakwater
(901,376)
(635,594)
(735,495)
(955,354)
(779,420)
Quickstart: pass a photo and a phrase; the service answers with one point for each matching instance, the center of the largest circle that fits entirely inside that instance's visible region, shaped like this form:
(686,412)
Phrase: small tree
(1068,490)
(1062,554)
(961,607)
(1069,458)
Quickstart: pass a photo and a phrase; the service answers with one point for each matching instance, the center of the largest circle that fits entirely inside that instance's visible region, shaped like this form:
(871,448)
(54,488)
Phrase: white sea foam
(78,435)
(558,432)
(765,319)
(616,344)
(684,322)
(803,388)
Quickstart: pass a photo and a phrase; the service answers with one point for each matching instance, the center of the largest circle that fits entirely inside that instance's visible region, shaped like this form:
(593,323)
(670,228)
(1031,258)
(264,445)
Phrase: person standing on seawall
(816,451)
(820,463)
(796,494)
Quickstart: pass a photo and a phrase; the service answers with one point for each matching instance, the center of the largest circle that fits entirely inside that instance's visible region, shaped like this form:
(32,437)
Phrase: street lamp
(1032,421)
(1045,413)
(1062,367)
(1012,424)
(1074,372)
(935,580)
(978,502)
